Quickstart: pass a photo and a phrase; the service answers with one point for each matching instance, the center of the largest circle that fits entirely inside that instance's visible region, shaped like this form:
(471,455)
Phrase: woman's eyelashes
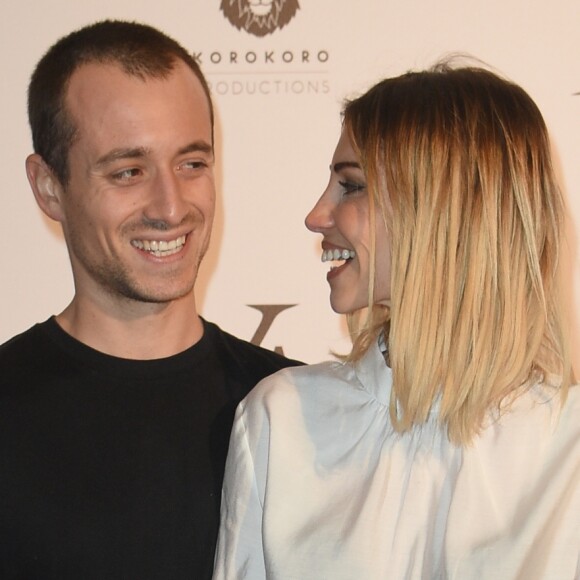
(349,187)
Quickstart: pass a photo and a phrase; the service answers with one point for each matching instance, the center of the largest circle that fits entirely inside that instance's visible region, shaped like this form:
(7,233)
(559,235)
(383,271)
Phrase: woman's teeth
(331,255)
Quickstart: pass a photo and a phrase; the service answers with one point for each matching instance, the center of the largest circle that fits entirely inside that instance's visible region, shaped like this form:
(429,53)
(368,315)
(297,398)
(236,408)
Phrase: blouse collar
(374,374)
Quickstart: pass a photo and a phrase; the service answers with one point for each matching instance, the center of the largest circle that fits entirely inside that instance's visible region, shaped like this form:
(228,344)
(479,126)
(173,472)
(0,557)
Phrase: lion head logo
(259,17)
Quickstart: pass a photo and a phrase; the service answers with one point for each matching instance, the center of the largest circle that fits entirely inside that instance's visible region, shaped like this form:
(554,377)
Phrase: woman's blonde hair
(475,219)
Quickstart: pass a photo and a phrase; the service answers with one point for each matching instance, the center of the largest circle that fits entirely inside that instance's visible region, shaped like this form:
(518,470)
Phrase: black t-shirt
(112,468)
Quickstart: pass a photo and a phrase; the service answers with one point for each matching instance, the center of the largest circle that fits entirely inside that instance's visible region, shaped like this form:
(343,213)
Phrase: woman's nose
(320,217)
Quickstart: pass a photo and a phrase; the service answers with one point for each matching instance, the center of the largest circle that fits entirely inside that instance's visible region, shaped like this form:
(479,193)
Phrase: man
(115,415)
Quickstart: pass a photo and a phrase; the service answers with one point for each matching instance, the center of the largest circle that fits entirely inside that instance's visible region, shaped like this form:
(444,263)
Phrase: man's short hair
(138,49)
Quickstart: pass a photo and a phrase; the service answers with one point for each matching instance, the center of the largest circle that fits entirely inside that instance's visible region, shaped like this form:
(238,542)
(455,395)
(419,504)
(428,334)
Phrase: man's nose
(167,199)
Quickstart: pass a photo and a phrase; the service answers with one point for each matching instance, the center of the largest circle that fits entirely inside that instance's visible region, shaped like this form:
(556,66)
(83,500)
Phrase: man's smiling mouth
(160,248)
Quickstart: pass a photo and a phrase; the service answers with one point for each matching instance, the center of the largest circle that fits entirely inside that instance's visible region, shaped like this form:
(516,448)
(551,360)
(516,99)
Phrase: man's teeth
(331,255)
(160,248)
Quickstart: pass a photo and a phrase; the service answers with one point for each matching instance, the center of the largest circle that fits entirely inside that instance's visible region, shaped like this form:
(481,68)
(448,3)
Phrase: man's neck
(139,331)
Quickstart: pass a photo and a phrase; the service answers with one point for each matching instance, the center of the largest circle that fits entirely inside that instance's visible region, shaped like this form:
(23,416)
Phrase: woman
(447,444)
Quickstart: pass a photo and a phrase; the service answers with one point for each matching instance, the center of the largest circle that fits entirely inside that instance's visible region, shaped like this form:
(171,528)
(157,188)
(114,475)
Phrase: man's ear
(46,187)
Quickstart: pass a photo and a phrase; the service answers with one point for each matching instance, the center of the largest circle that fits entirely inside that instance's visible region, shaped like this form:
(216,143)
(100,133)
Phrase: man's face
(139,204)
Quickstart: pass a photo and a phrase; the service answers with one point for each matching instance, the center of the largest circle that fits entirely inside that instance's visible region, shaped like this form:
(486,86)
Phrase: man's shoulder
(236,352)
(24,358)
(22,345)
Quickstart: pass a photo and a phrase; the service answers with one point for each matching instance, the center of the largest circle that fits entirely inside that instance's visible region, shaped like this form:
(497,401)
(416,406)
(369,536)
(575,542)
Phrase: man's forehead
(94,72)
(106,83)
(112,111)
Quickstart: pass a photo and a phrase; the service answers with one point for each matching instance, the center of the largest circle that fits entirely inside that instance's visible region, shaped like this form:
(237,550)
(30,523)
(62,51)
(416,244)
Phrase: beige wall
(278,100)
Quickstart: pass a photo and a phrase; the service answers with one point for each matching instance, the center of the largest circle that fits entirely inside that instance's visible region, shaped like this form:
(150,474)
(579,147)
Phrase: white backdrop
(278,99)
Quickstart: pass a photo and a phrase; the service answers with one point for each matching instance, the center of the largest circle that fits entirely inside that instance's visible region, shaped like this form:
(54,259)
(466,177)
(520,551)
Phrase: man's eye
(192,165)
(126,174)
(351,187)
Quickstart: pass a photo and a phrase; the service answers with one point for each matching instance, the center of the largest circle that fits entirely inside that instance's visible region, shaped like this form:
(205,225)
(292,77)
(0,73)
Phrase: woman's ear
(46,187)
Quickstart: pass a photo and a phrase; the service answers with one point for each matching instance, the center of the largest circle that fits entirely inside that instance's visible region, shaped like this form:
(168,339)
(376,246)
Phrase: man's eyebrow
(196,146)
(122,153)
(344,165)
(139,152)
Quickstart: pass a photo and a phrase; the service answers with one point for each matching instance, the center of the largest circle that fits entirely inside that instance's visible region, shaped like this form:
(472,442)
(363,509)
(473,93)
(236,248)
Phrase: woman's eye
(351,187)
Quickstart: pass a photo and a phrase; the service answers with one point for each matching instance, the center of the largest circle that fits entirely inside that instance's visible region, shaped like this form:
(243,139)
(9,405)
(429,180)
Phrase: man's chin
(157,295)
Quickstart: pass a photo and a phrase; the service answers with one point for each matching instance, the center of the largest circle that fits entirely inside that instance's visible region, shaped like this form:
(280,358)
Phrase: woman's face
(341,215)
